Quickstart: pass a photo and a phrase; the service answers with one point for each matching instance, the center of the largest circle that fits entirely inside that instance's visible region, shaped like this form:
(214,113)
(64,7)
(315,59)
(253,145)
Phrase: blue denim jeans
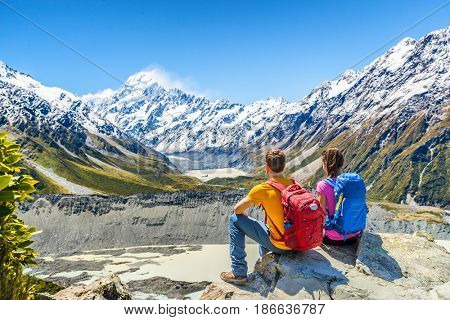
(239,226)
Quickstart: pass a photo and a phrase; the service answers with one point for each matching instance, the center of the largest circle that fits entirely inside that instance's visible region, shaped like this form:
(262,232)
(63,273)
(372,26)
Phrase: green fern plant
(15,251)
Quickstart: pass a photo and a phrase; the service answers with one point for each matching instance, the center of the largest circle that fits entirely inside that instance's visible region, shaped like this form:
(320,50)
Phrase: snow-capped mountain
(411,77)
(174,122)
(391,119)
(62,99)
(69,146)
(51,105)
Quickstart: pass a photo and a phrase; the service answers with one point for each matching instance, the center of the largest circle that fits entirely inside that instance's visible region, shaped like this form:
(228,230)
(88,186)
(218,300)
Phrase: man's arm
(242,205)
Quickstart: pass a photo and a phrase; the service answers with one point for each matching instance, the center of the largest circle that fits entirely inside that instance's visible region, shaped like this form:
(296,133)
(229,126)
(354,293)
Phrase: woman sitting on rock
(333,162)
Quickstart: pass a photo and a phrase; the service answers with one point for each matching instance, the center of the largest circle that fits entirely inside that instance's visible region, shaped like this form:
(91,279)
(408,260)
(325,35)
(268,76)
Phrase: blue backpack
(351,208)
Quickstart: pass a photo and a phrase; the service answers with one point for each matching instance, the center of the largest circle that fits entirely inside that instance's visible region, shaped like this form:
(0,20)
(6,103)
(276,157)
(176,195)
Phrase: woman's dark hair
(333,161)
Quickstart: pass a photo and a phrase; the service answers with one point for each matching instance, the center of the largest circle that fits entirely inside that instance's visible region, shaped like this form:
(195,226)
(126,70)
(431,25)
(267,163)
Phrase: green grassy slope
(45,184)
(236,183)
(112,172)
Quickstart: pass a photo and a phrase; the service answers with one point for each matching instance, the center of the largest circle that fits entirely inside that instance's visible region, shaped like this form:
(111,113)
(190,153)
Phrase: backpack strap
(277,185)
(331,223)
(330,182)
(280,187)
(266,217)
(295,181)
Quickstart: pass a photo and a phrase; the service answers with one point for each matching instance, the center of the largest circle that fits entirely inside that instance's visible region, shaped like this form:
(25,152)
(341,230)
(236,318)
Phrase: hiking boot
(229,277)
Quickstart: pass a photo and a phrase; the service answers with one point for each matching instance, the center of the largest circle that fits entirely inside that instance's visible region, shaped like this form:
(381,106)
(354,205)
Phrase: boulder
(401,266)
(106,288)
(382,266)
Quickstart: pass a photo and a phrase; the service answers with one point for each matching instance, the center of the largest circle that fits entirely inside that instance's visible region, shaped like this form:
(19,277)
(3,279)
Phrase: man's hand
(242,206)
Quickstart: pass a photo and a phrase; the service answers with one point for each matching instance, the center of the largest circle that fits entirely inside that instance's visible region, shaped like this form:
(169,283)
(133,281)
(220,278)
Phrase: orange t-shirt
(270,198)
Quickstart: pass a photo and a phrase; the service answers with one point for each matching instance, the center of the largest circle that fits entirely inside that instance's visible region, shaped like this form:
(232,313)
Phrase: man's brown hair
(333,161)
(276,160)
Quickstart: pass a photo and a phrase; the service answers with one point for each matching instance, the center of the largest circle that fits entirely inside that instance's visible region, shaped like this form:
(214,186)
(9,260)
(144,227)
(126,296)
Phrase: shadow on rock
(345,254)
(306,275)
(301,275)
(373,259)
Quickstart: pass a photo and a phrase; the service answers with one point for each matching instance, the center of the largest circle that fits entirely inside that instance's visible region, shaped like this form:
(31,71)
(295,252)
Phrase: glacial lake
(136,265)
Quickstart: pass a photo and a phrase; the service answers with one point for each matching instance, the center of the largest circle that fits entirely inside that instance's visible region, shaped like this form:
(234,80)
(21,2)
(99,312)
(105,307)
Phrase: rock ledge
(383,266)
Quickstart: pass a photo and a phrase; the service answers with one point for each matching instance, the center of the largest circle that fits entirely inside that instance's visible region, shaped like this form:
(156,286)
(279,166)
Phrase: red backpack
(303,217)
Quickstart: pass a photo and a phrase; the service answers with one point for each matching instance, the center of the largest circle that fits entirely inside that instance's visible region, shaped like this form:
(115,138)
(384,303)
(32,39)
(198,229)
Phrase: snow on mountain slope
(64,136)
(25,101)
(62,98)
(177,123)
(330,89)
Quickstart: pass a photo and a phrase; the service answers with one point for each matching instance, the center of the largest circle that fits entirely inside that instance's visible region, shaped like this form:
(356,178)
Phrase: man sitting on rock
(240,224)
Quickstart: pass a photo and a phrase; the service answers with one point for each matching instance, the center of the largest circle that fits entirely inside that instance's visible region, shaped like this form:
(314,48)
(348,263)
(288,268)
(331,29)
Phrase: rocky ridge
(73,223)
(385,266)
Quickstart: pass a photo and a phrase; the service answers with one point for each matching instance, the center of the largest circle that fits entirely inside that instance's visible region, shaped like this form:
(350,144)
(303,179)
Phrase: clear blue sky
(239,50)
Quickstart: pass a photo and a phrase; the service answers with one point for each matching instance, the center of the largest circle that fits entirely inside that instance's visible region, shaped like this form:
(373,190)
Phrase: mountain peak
(157,79)
(349,75)
(332,88)
(62,98)
(440,32)
(399,54)
(6,71)
(408,41)
(142,78)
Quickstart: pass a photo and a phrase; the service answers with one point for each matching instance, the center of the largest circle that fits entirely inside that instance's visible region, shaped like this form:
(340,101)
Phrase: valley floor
(209,174)
(143,267)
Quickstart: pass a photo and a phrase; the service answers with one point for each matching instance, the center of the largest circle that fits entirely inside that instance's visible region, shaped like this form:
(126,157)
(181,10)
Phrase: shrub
(15,251)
